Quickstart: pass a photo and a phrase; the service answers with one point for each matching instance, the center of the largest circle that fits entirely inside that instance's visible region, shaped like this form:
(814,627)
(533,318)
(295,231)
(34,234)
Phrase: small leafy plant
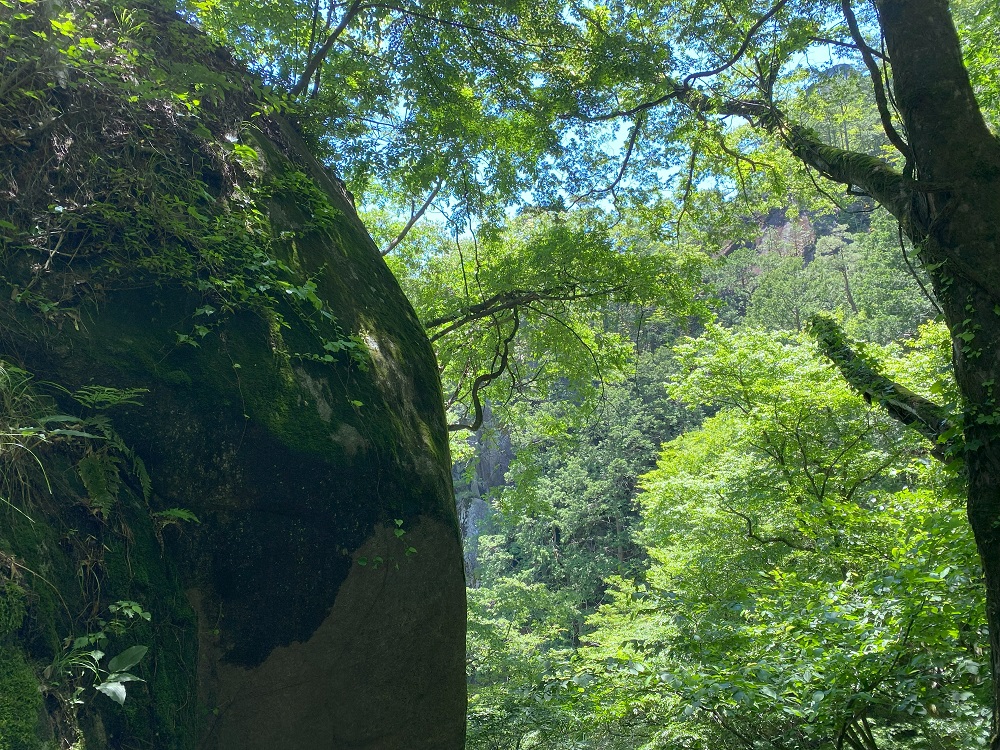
(83,658)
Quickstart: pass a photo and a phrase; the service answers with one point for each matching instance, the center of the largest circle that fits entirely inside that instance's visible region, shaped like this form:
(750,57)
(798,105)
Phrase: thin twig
(741,51)
(414,218)
(848,45)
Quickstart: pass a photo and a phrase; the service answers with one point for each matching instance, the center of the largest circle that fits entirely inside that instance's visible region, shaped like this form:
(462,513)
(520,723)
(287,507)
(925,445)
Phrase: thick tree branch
(317,58)
(932,421)
(872,175)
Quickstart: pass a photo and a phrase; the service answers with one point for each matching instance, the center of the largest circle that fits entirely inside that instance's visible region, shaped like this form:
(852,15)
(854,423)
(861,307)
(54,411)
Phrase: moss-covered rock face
(289,401)
(20,703)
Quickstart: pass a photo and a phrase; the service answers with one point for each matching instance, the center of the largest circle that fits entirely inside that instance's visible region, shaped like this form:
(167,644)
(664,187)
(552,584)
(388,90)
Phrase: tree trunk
(953,218)
(947,201)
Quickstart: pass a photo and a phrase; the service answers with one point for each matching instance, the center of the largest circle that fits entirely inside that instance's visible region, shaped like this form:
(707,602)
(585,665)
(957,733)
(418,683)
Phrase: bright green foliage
(977,22)
(804,267)
(512,102)
(804,577)
(837,103)
(513,626)
(810,571)
(411,94)
(527,308)
(813,575)
(568,513)
(562,527)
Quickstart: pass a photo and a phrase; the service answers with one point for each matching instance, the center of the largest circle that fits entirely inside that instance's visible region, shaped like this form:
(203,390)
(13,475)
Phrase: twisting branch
(688,185)
(500,358)
(320,54)
(741,51)
(872,175)
(632,138)
(932,421)
(414,218)
(751,534)
(875,73)
(629,148)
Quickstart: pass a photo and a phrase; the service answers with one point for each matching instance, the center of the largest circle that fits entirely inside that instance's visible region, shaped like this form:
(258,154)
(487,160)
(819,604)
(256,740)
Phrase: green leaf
(127,658)
(114,690)
(74,433)
(123,677)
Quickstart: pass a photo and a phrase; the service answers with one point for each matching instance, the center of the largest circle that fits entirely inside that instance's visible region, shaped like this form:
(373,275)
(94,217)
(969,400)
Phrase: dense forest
(705,294)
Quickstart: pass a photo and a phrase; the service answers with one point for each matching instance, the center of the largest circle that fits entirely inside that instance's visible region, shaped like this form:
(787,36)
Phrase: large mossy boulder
(232,418)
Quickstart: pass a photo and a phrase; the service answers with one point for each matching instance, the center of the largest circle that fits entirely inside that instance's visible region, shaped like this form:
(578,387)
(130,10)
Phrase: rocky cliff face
(266,377)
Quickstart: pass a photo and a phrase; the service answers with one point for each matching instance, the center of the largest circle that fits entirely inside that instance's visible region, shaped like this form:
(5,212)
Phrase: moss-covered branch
(931,420)
(870,174)
(851,168)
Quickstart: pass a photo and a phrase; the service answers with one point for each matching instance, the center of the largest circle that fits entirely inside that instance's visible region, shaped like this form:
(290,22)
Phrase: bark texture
(953,216)
(949,208)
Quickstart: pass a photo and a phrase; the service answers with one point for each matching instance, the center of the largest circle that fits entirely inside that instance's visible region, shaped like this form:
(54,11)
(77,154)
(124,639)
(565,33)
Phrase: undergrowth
(67,477)
(121,171)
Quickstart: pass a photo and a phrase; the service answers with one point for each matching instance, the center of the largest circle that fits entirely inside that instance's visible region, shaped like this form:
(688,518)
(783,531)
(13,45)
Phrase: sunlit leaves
(555,278)
(808,571)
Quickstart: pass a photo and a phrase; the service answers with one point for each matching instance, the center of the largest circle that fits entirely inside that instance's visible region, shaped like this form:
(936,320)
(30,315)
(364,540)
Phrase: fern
(104,396)
(136,465)
(99,473)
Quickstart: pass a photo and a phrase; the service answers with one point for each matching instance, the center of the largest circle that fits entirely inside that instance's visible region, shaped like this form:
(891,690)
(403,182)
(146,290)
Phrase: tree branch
(509,300)
(932,421)
(500,367)
(629,148)
(872,175)
(875,73)
(324,50)
(751,534)
(675,93)
(414,218)
(743,47)
(848,45)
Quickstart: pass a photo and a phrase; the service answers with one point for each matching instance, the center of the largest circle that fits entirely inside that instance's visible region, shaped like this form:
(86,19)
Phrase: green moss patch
(20,702)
